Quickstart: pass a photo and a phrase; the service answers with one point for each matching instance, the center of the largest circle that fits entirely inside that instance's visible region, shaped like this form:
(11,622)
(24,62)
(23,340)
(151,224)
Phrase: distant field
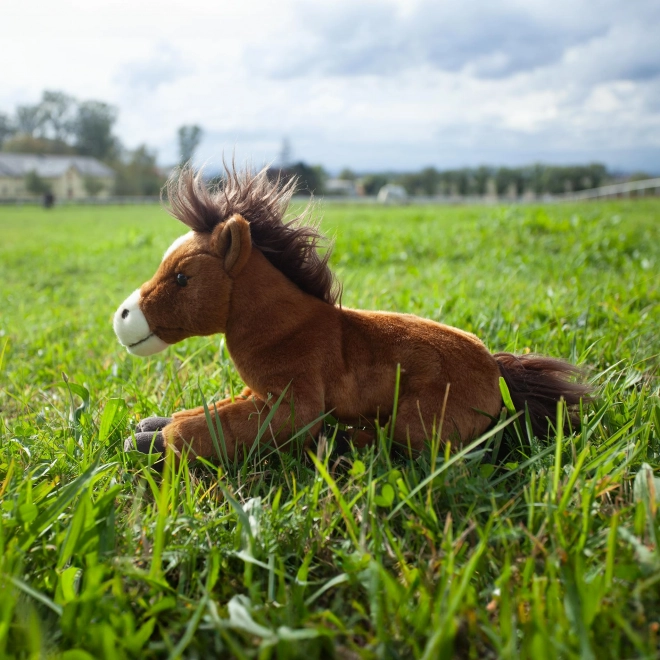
(371,557)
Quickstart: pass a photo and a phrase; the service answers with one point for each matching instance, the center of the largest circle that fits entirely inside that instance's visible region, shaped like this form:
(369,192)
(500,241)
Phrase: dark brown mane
(290,246)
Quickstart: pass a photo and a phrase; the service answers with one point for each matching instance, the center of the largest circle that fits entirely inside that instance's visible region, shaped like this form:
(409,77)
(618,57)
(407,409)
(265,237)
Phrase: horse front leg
(193,412)
(240,423)
(148,432)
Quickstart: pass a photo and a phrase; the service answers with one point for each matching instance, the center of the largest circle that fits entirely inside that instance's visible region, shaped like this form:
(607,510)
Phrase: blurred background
(515,100)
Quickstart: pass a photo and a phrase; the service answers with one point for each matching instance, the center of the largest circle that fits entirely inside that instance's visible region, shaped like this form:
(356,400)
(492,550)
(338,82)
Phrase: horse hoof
(147,443)
(151,424)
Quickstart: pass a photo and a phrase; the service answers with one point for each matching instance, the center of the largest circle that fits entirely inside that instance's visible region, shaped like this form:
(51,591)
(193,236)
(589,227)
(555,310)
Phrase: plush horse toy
(245,272)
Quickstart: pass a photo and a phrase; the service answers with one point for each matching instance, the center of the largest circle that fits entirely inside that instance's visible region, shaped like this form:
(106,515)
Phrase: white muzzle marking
(132,329)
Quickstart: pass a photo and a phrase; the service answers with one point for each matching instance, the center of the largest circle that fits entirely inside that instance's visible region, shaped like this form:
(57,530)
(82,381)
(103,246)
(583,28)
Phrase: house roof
(48,167)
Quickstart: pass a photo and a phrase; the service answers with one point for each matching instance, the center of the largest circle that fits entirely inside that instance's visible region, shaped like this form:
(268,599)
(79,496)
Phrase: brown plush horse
(245,272)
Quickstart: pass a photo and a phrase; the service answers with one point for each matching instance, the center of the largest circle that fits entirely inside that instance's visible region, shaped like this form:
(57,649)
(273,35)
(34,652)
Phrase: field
(542,551)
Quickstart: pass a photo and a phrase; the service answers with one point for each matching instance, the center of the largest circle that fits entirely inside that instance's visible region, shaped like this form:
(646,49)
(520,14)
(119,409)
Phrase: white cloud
(490,40)
(396,84)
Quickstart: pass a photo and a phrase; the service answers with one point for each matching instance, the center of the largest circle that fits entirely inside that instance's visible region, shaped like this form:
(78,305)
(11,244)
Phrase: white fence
(626,189)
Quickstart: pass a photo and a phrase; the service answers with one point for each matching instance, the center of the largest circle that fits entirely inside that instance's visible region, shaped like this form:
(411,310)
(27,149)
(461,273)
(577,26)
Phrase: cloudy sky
(393,84)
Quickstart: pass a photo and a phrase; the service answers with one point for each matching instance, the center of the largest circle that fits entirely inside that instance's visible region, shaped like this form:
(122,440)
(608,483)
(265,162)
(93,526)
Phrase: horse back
(432,358)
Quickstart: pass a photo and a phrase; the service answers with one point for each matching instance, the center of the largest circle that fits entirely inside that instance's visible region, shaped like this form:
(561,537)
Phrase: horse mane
(290,246)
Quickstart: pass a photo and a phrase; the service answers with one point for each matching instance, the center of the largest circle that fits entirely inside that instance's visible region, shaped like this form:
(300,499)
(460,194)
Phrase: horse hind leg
(419,422)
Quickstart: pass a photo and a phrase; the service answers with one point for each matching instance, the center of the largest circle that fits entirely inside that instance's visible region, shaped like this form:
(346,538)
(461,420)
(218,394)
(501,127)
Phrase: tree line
(61,124)
(537,179)
(502,181)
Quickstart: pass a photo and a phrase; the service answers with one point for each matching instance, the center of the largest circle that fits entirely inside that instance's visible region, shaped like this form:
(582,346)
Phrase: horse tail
(540,383)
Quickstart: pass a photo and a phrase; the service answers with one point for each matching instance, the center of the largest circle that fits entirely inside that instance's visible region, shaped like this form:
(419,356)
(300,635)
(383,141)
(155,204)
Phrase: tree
(35,184)
(58,111)
(372,183)
(425,182)
(347,174)
(639,176)
(597,174)
(532,179)
(139,175)
(321,177)
(92,129)
(7,128)
(310,178)
(28,119)
(28,144)
(409,182)
(58,124)
(509,179)
(189,139)
(480,179)
(455,182)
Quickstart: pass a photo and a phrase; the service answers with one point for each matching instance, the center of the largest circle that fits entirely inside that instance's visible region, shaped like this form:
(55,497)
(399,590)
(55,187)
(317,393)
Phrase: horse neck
(265,306)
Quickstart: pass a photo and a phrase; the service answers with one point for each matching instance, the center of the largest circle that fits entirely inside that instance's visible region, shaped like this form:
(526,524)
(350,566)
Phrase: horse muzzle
(132,329)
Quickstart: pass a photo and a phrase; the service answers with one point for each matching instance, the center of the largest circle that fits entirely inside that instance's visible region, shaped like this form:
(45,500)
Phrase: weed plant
(497,549)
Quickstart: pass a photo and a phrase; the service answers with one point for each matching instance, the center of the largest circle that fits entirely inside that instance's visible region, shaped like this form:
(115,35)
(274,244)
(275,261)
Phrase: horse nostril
(124,313)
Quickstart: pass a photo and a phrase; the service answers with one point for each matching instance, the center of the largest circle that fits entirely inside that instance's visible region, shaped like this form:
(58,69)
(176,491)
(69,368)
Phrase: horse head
(189,293)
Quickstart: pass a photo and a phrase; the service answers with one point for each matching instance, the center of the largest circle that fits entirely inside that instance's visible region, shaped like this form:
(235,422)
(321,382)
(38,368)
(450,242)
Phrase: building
(392,193)
(67,177)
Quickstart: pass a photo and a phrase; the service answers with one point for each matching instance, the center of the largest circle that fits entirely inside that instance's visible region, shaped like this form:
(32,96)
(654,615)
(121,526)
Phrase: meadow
(497,549)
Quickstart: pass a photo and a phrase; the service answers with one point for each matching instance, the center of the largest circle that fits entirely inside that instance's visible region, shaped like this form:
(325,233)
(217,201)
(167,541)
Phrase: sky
(387,85)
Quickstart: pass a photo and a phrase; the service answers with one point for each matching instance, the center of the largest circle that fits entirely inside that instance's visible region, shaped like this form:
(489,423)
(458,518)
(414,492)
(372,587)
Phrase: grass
(552,551)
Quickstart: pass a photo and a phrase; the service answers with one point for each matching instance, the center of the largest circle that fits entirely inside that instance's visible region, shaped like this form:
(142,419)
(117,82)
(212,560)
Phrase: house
(67,177)
(392,193)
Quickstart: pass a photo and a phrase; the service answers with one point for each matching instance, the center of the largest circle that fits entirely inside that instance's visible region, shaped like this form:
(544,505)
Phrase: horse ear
(232,241)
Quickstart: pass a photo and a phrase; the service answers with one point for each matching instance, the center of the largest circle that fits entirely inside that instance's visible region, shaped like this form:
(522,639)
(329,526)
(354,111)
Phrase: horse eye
(181,279)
